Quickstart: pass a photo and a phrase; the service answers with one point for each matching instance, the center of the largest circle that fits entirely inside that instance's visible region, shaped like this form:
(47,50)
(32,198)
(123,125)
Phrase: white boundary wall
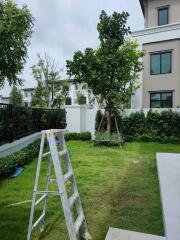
(10,148)
(82,118)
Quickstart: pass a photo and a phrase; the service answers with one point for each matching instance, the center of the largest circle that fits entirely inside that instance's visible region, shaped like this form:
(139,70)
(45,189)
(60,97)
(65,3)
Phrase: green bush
(8,164)
(161,127)
(83,136)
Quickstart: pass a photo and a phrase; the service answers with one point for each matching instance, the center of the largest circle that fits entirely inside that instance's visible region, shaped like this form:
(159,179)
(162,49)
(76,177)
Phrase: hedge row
(161,127)
(8,164)
(83,136)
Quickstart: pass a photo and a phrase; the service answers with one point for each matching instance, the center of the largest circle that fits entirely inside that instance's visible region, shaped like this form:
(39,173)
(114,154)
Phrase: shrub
(72,136)
(8,164)
(83,136)
(143,138)
(161,127)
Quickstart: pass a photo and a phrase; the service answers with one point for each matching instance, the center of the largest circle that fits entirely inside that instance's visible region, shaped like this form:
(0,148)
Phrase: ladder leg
(47,188)
(78,205)
(35,187)
(61,187)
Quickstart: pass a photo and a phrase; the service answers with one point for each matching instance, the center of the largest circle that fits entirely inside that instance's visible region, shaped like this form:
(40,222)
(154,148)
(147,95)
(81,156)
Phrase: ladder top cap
(54,131)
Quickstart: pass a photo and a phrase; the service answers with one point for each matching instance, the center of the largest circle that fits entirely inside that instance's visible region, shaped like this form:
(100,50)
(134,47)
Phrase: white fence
(145,110)
(82,118)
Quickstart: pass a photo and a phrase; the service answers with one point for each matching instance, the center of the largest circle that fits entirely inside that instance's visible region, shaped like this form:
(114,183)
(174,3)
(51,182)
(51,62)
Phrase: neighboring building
(160,79)
(82,88)
(4,100)
(27,95)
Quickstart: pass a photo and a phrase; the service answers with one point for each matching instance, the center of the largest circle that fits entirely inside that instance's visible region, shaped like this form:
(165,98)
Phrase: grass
(118,188)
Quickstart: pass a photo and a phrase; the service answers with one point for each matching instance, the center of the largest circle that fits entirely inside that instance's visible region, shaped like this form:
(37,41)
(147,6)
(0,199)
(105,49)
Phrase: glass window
(155,64)
(161,100)
(163,16)
(161,63)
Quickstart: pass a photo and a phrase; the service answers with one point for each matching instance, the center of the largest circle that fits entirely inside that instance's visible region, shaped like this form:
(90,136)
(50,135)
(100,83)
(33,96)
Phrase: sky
(65,26)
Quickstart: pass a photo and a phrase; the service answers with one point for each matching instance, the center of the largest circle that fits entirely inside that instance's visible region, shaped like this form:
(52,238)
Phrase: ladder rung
(38,221)
(49,192)
(68,175)
(79,222)
(46,154)
(73,199)
(40,199)
(62,153)
(52,180)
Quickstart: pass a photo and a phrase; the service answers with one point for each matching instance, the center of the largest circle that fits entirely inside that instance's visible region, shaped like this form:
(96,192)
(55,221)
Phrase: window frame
(160,53)
(160,9)
(161,100)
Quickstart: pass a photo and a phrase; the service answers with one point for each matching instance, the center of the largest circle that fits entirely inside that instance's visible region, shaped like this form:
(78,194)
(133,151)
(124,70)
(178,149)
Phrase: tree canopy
(111,71)
(16,24)
(48,78)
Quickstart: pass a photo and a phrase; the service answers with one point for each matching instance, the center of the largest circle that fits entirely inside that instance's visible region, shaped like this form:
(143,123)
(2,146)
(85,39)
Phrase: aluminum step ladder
(76,227)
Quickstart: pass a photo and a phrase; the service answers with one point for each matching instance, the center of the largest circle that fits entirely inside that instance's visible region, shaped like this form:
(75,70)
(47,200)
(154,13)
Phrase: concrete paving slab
(119,234)
(169,178)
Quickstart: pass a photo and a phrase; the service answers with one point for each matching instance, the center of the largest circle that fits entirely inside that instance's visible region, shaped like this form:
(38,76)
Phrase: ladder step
(68,175)
(49,192)
(46,154)
(40,199)
(79,222)
(52,180)
(62,153)
(73,199)
(38,221)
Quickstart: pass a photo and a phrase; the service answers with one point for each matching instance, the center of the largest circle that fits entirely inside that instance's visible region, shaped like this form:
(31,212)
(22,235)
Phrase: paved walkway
(119,234)
(169,178)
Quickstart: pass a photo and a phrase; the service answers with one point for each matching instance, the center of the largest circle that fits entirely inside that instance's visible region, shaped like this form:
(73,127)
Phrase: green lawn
(118,188)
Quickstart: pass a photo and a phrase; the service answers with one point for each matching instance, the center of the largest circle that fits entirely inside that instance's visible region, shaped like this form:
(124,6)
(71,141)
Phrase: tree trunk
(109,122)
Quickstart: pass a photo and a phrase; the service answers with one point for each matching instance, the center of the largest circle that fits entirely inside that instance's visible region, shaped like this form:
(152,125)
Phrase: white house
(27,94)
(82,88)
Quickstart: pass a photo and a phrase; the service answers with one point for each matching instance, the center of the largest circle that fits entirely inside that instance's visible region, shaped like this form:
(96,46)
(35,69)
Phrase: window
(68,101)
(163,16)
(161,63)
(26,94)
(161,100)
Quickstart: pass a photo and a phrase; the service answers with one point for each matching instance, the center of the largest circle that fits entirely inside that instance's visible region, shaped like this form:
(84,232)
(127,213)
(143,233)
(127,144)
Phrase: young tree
(47,76)
(15,31)
(40,97)
(112,70)
(16,97)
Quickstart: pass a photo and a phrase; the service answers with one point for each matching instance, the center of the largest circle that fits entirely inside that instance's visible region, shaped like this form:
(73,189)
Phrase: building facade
(160,39)
(27,94)
(82,88)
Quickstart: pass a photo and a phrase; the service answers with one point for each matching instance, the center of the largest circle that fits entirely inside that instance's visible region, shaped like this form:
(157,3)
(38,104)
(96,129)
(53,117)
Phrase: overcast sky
(65,26)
